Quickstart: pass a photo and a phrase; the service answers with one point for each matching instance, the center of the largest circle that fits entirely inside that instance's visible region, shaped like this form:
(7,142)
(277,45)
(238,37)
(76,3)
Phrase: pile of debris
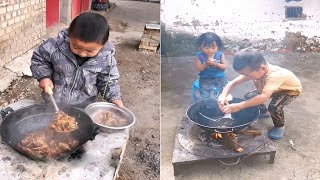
(300,43)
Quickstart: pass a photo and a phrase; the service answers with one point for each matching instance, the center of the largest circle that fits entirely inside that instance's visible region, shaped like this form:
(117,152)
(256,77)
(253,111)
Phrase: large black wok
(18,124)
(204,112)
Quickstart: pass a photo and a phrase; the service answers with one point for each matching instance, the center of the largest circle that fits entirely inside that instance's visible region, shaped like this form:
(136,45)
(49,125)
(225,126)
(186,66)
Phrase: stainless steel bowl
(124,113)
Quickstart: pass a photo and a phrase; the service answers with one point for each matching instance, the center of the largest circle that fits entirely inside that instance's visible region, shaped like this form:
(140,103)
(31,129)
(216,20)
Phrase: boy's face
(254,74)
(210,50)
(84,49)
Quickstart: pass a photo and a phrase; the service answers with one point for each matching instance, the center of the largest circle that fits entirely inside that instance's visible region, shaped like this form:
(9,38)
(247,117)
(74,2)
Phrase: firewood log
(230,141)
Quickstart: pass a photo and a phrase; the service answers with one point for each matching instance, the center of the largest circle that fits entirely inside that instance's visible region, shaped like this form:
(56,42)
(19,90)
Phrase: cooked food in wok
(52,141)
(64,123)
(108,118)
(47,143)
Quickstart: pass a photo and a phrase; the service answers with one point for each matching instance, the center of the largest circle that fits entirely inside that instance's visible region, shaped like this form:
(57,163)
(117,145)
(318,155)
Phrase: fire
(219,136)
(216,136)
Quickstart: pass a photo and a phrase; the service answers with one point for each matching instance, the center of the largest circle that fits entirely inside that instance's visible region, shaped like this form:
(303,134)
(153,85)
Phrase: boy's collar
(265,74)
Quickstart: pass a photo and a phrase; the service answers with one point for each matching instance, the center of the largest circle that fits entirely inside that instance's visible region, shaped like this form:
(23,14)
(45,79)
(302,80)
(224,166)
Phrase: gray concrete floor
(298,161)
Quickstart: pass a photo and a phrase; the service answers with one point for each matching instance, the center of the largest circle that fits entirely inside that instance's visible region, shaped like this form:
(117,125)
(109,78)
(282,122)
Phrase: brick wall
(22,26)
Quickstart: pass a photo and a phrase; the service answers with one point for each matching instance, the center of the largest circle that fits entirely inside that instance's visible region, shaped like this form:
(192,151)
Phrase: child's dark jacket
(74,84)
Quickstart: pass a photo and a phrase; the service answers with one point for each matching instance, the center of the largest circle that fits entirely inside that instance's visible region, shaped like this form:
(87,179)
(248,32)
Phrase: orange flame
(216,136)
(219,136)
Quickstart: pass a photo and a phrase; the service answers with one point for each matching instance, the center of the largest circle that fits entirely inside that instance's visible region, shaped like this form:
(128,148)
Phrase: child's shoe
(276,133)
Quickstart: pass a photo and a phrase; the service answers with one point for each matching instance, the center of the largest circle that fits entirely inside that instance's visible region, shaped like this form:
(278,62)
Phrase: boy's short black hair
(90,27)
(248,58)
(209,38)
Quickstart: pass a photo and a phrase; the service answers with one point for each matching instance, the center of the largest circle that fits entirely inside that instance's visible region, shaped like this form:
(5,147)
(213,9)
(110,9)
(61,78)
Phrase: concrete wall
(22,26)
(65,11)
(250,19)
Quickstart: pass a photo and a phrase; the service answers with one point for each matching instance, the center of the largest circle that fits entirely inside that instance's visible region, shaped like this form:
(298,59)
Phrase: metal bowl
(99,107)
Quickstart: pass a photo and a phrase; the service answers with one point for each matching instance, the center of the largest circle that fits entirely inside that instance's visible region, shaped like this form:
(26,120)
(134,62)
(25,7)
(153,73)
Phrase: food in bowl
(108,118)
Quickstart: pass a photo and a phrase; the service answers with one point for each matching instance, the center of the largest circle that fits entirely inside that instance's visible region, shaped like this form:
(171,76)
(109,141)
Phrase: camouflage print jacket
(73,84)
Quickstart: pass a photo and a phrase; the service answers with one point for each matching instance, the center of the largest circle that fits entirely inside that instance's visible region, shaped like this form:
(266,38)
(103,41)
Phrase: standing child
(270,80)
(79,63)
(210,62)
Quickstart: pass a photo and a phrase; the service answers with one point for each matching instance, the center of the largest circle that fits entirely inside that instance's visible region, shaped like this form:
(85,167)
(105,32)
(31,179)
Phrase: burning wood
(249,132)
(230,140)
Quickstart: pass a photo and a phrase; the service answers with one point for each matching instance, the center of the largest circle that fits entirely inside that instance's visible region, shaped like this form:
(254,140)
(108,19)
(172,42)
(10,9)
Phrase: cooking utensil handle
(54,102)
(230,164)
(50,92)
(96,131)
(5,112)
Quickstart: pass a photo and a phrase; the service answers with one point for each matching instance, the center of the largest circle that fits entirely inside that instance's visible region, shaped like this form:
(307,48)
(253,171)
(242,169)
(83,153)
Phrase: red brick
(3,10)
(10,8)
(10,22)
(16,6)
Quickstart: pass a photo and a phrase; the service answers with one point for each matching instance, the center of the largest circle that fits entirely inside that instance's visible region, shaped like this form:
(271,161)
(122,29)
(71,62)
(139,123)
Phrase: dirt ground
(140,86)
(141,94)
(297,155)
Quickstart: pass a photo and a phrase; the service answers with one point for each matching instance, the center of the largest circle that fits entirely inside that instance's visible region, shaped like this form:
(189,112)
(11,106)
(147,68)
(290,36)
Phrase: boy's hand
(46,84)
(222,101)
(117,102)
(231,108)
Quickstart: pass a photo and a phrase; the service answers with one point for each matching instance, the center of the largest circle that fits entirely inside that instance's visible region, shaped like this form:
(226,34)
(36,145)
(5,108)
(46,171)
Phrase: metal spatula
(50,92)
(226,117)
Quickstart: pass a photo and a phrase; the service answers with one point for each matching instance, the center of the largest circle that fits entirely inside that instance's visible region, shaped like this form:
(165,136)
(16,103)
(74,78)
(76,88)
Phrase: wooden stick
(249,132)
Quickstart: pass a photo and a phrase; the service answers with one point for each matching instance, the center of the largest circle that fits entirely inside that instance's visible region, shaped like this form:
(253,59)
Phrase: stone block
(21,64)
(6,77)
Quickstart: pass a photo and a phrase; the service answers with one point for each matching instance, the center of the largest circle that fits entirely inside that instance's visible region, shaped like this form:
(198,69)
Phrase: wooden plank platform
(150,39)
(182,157)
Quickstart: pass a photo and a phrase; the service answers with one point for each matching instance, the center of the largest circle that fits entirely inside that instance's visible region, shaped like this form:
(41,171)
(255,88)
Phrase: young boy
(79,63)
(271,81)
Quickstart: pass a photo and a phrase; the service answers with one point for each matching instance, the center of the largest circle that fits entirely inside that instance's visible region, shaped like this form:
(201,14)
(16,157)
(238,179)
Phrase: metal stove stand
(187,151)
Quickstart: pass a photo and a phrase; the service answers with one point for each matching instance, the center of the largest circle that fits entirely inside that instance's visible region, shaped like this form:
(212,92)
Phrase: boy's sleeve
(108,83)
(41,66)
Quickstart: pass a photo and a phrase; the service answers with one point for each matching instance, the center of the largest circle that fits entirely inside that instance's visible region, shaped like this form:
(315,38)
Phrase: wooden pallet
(150,39)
